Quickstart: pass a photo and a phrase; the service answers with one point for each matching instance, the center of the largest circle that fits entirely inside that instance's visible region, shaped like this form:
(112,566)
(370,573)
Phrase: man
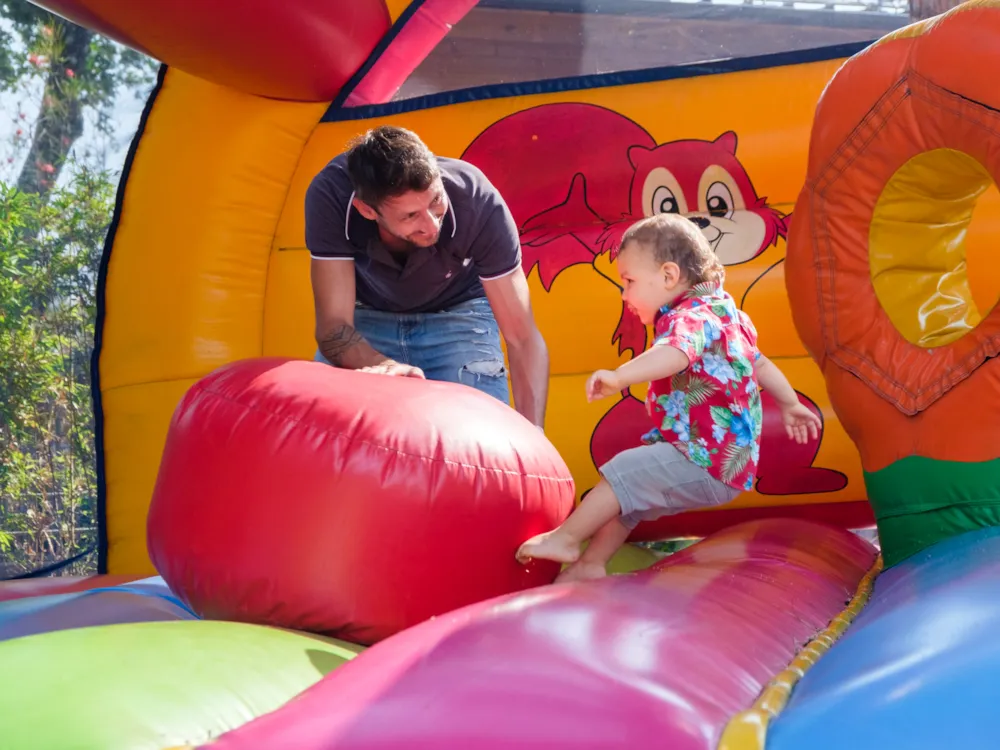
(416,271)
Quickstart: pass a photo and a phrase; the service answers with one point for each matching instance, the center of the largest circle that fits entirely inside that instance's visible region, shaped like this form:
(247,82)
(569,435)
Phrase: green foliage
(50,251)
(52,229)
(106,67)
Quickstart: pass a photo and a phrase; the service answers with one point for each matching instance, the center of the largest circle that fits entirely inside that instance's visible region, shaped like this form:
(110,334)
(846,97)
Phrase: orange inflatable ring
(905,140)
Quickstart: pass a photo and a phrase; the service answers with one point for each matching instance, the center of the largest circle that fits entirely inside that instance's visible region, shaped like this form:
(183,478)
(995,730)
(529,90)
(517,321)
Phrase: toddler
(703,370)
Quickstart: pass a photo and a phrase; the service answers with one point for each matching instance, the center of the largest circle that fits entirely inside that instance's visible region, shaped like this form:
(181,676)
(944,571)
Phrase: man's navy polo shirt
(479,241)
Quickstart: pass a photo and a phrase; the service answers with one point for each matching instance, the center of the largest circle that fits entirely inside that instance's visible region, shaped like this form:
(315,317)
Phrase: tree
(923,9)
(50,251)
(80,71)
(53,222)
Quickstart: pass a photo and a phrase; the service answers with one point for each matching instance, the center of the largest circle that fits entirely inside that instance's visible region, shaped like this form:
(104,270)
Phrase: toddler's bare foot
(582,571)
(551,545)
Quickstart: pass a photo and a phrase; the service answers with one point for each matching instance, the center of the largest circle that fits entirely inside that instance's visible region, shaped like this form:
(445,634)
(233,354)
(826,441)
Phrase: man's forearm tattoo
(341,339)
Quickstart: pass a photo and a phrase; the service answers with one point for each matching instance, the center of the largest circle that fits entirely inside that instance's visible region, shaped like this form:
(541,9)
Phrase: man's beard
(406,242)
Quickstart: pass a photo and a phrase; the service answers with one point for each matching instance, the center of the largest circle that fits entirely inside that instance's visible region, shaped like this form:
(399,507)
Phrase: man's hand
(392,367)
(602,384)
(800,422)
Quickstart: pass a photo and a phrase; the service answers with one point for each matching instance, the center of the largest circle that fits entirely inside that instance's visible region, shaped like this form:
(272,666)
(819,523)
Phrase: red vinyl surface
(852,515)
(417,39)
(303,50)
(296,494)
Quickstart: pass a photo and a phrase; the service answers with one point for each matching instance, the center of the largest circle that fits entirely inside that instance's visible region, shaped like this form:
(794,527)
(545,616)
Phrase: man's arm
(332,274)
(529,357)
(333,296)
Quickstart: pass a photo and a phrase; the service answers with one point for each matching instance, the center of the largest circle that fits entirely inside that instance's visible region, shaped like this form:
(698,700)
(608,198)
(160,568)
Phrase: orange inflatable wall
(894,274)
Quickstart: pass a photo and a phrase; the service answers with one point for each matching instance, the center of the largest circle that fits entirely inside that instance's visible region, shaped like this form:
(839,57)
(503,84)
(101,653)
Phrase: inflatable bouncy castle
(295,556)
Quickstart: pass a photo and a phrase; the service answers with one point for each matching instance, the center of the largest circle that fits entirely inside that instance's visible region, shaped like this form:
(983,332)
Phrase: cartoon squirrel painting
(576,176)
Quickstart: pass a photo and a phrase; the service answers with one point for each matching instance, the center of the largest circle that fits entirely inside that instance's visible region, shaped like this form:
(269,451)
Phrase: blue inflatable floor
(146,600)
(919,668)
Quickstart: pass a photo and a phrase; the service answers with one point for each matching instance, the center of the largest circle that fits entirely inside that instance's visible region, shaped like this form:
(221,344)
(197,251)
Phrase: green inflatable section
(629,559)
(152,685)
(920,501)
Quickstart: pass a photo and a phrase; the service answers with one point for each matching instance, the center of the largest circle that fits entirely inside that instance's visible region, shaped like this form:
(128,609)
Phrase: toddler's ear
(671,273)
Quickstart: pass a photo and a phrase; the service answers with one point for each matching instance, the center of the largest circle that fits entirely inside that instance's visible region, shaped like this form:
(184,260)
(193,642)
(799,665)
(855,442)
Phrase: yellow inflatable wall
(208,264)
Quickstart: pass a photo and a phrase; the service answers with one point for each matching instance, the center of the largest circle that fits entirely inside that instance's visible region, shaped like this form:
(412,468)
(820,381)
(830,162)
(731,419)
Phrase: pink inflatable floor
(659,658)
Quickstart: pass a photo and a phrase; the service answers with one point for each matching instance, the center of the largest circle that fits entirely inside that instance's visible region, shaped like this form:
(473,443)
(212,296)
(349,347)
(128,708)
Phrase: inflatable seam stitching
(909,401)
(747,730)
(570,84)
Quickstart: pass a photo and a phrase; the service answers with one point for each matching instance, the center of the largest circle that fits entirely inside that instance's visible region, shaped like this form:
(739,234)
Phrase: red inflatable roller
(294,494)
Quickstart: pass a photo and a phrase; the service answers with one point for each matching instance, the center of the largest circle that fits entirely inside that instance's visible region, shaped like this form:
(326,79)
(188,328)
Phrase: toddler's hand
(800,422)
(603,383)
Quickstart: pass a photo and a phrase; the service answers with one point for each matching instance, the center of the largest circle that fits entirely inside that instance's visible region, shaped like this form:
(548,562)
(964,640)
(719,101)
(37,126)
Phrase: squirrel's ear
(636,154)
(728,141)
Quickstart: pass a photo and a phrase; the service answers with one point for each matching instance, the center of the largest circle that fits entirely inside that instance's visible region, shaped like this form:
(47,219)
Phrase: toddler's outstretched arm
(662,361)
(772,379)
(800,422)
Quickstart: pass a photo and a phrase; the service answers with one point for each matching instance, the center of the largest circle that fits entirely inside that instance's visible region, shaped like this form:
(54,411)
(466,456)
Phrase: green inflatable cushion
(152,685)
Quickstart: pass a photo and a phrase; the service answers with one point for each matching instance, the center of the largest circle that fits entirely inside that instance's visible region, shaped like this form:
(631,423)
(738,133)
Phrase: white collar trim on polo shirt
(350,205)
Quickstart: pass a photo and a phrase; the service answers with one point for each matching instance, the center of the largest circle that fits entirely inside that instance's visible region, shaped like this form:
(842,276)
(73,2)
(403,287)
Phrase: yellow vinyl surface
(747,730)
(188,273)
(209,265)
(396,8)
(917,247)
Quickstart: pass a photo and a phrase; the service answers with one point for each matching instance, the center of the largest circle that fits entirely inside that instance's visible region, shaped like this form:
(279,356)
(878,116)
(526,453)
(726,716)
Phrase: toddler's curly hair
(671,237)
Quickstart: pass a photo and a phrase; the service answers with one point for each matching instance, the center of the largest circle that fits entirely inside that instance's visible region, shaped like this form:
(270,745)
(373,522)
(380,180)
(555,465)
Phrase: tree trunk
(922,9)
(60,120)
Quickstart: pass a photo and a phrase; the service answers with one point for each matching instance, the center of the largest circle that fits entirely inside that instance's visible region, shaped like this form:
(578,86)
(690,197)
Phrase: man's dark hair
(388,161)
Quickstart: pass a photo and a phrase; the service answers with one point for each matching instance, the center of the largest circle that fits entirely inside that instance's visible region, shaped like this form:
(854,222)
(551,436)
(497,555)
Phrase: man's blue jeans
(458,345)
